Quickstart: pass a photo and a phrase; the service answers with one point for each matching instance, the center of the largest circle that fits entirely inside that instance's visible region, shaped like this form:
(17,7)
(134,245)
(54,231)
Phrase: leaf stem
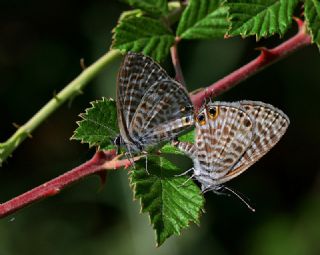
(266,57)
(73,89)
(176,62)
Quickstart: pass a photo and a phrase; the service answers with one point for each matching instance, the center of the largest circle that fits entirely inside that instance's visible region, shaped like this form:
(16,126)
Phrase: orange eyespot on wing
(201,119)
(213,112)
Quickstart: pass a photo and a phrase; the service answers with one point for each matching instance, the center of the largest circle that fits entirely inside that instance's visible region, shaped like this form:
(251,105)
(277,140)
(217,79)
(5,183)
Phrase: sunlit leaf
(312,14)
(172,202)
(151,6)
(98,126)
(262,18)
(143,34)
(203,19)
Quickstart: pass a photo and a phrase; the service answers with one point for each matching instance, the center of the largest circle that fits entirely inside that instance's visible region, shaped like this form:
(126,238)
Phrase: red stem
(107,160)
(266,57)
(176,62)
(54,186)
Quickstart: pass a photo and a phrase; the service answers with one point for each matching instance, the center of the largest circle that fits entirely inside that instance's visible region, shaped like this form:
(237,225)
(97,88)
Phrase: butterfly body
(152,108)
(230,137)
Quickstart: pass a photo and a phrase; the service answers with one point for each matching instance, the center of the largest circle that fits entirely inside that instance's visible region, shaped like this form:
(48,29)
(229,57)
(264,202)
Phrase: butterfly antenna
(240,197)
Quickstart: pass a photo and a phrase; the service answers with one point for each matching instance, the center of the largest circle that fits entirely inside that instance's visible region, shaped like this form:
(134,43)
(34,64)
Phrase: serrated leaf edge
(139,199)
(82,116)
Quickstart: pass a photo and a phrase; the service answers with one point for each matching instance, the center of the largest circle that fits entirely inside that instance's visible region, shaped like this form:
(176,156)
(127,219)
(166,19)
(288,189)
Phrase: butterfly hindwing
(164,111)
(230,137)
(223,138)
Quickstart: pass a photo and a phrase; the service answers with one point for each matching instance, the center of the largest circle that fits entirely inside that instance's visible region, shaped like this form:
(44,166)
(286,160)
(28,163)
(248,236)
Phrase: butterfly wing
(270,125)
(163,113)
(137,73)
(222,139)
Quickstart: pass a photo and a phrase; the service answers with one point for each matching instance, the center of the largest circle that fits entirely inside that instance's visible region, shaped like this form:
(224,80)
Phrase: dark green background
(41,43)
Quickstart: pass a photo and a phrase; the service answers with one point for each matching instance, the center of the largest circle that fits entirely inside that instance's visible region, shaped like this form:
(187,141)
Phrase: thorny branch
(266,58)
(107,160)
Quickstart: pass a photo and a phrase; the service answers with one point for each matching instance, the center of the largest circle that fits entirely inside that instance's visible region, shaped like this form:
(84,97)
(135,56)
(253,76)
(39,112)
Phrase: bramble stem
(176,63)
(107,160)
(98,164)
(71,90)
(266,57)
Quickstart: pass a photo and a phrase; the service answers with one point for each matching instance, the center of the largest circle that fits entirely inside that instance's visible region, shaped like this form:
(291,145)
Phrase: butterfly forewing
(232,137)
(137,73)
(151,106)
(271,124)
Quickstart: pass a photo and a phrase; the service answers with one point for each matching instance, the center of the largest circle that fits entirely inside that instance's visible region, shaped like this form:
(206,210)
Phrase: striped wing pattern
(239,135)
(152,107)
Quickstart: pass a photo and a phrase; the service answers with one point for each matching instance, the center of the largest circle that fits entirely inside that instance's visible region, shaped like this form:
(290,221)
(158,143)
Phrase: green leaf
(312,14)
(203,19)
(168,148)
(142,34)
(172,202)
(99,125)
(262,18)
(151,6)
(130,14)
(188,137)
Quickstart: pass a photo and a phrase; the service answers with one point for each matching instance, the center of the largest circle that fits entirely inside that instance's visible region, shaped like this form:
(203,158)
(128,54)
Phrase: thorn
(299,22)
(52,192)
(17,126)
(103,178)
(55,96)
(82,64)
(265,53)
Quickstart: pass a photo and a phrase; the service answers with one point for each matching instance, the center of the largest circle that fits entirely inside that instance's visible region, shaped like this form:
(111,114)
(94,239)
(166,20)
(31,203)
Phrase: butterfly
(152,108)
(230,137)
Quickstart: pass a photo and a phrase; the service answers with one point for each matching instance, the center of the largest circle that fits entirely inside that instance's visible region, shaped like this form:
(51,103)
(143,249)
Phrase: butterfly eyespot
(213,112)
(185,120)
(201,119)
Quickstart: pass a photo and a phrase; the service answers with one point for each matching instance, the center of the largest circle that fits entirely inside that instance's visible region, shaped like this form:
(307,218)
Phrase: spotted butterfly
(230,137)
(152,108)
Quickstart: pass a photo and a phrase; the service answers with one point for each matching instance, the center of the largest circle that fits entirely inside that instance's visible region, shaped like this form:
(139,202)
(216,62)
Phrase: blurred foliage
(40,47)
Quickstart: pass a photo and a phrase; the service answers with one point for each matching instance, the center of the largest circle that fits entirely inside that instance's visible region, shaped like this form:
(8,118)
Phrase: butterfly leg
(219,190)
(184,183)
(184,173)
(147,163)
